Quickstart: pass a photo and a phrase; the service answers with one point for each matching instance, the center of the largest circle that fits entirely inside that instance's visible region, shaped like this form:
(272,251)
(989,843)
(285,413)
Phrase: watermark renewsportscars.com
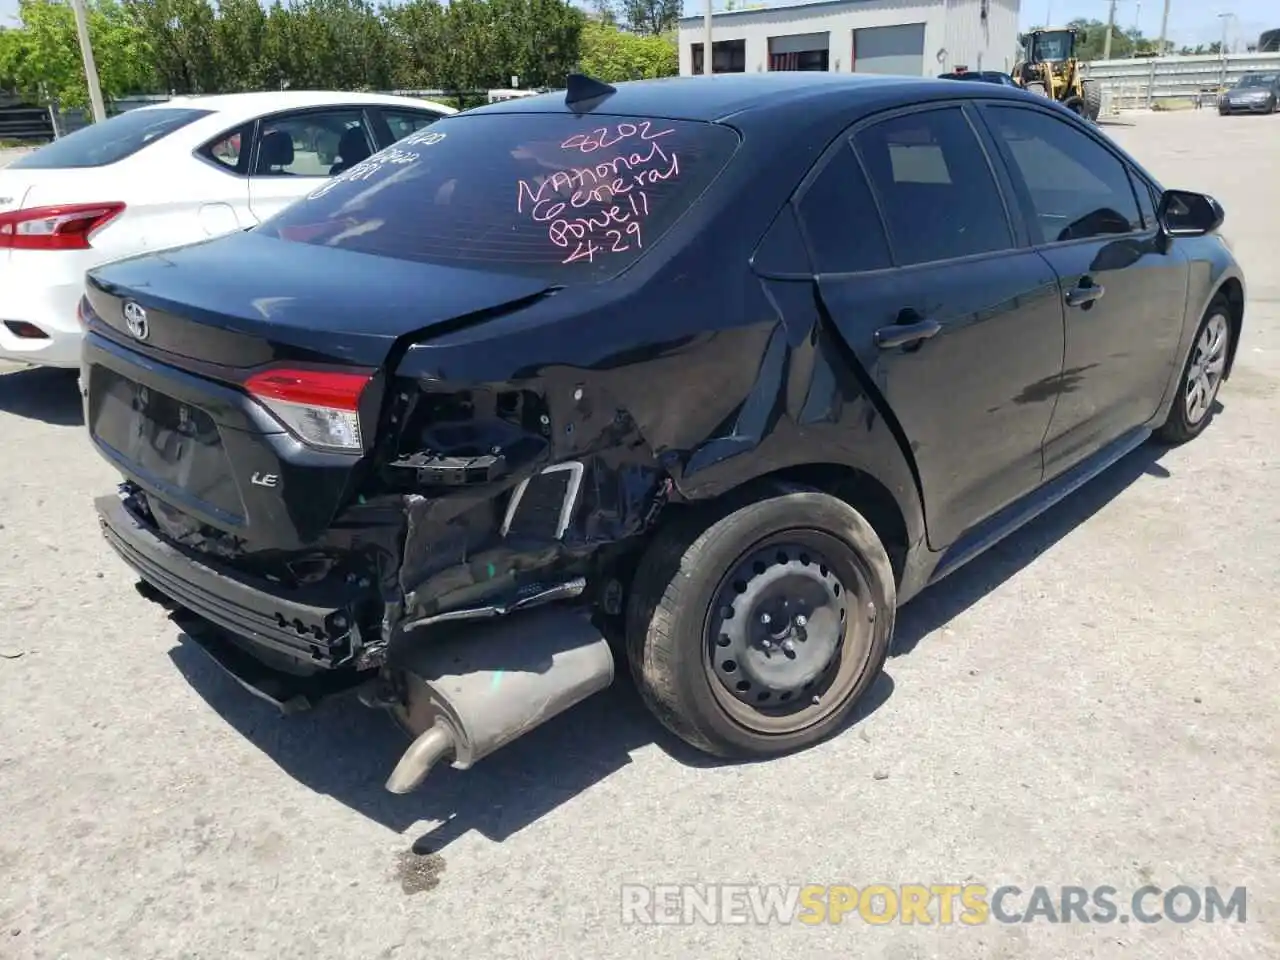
(968,904)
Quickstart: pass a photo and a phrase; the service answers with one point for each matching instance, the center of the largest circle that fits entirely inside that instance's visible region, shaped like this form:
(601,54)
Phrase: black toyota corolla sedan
(703,376)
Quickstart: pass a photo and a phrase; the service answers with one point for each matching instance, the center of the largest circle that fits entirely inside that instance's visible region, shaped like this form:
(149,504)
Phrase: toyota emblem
(135,318)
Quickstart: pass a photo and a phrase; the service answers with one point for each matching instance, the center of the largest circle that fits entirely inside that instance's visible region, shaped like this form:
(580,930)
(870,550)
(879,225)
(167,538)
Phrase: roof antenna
(581,89)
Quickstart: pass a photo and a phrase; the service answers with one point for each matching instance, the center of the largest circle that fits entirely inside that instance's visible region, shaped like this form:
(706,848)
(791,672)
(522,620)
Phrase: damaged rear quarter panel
(649,416)
(682,379)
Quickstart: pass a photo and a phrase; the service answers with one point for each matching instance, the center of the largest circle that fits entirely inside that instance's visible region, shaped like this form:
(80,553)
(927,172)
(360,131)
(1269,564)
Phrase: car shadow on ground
(949,598)
(49,394)
(346,751)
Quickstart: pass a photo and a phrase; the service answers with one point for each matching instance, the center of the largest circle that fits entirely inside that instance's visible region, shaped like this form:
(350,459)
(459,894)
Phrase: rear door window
(559,197)
(935,185)
(318,143)
(840,219)
(110,141)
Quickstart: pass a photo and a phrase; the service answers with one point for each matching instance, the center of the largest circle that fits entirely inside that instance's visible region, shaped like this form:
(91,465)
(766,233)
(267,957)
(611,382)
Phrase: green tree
(180,36)
(239,34)
(651,17)
(341,45)
(416,31)
(612,55)
(41,61)
(10,52)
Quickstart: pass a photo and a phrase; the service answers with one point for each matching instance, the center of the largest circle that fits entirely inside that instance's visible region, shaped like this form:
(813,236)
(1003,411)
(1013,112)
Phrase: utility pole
(1225,18)
(706,40)
(1164,29)
(90,68)
(1111,25)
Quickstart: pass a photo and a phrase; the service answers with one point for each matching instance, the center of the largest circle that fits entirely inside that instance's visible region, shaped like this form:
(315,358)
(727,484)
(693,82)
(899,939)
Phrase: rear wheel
(759,633)
(1201,377)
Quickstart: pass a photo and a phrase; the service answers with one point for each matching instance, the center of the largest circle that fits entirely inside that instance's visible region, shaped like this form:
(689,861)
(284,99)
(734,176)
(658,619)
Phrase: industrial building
(913,37)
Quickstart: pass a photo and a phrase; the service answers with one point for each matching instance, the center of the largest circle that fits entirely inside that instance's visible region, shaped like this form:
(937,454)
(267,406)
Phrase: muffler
(469,694)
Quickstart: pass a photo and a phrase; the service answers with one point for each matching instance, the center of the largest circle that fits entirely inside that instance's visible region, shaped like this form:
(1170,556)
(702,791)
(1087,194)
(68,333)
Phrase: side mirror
(1184,213)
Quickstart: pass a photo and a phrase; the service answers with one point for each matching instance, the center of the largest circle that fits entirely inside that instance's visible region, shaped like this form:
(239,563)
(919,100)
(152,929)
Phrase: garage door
(898,49)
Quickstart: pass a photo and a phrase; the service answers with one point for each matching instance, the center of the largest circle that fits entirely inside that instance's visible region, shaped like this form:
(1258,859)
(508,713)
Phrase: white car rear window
(112,140)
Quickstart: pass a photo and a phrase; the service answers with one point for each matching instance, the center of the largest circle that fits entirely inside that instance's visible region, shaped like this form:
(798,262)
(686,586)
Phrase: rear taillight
(321,407)
(55,228)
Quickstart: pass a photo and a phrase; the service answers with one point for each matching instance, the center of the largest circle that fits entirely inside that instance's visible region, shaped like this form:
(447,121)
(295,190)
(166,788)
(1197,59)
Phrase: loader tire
(1092,100)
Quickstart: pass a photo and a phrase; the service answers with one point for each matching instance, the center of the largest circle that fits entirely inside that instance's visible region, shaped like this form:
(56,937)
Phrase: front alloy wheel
(1208,363)
(1202,376)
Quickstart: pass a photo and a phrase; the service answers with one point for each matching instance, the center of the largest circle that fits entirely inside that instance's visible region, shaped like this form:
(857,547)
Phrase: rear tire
(757,633)
(1201,378)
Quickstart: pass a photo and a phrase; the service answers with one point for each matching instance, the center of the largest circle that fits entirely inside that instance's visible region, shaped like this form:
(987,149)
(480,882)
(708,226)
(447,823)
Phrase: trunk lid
(169,402)
(13,190)
(246,299)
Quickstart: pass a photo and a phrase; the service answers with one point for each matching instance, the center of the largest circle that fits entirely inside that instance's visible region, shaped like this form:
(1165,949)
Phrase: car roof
(270,101)
(745,95)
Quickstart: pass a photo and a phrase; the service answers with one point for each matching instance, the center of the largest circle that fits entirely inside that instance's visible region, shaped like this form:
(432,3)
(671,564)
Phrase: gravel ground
(1092,703)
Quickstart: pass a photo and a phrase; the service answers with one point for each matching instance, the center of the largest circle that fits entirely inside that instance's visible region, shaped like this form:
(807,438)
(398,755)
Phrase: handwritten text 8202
(598,209)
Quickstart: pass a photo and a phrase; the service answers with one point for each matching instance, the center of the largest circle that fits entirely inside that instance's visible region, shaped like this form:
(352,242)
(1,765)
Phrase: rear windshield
(564,198)
(110,141)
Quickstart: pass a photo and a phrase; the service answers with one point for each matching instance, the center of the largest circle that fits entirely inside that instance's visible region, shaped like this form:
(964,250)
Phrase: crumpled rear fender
(686,409)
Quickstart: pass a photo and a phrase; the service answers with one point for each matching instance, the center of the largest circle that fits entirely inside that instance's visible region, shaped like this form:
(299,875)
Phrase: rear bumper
(307,629)
(51,308)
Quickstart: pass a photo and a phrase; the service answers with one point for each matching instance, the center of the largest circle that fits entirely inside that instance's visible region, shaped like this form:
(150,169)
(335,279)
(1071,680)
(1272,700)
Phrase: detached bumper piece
(304,626)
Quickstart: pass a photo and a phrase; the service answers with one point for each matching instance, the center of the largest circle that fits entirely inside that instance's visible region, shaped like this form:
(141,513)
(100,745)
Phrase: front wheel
(1201,377)
(1035,86)
(758,633)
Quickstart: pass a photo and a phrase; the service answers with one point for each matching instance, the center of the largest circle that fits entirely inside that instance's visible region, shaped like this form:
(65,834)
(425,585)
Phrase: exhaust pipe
(468,695)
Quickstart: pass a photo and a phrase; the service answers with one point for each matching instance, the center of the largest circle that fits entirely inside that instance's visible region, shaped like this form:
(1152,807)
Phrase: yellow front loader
(1049,67)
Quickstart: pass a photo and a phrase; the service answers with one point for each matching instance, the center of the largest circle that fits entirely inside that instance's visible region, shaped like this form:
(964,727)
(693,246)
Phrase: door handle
(1081,295)
(902,334)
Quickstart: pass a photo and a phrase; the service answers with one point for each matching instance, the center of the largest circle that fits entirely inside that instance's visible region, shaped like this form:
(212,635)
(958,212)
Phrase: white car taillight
(55,228)
(320,407)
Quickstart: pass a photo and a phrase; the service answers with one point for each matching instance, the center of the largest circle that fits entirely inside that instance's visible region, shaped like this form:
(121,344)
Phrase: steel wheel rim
(818,601)
(1208,363)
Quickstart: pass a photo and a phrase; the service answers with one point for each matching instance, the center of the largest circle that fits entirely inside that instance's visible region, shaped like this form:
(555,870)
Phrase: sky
(1191,22)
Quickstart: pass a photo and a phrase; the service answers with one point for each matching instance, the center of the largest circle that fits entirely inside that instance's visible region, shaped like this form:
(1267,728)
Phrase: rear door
(297,151)
(228,153)
(960,327)
(1123,285)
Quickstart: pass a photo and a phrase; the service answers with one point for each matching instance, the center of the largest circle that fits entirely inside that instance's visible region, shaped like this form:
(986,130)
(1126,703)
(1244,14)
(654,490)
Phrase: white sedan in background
(163,176)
